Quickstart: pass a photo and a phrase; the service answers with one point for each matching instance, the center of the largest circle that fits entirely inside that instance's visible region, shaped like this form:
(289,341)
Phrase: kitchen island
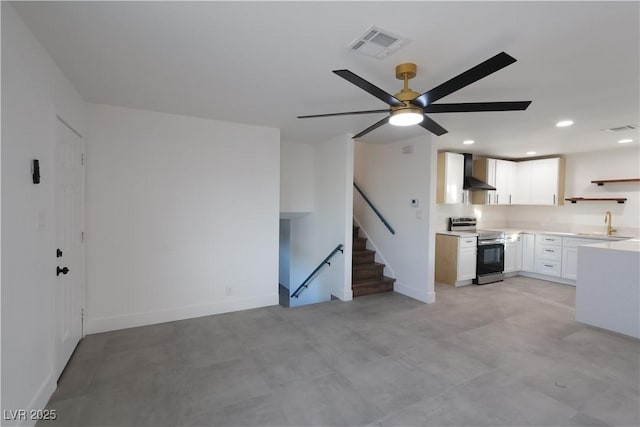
(608,286)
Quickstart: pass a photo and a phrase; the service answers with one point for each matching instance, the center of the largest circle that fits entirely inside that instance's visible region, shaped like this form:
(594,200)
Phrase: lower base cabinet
(455,259)
(528,252)
(570,255)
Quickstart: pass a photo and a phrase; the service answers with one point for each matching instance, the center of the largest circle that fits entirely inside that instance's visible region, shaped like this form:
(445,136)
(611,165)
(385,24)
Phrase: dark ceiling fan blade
(372,127)
(466,107)
(344,114)
(472,75)
(368,87)
(432,126)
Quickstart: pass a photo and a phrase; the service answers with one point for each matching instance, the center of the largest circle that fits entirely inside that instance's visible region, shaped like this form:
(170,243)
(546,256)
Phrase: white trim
(113,323)
(64,122)
(419,294)
(39,401)
(553,279)
(388,271)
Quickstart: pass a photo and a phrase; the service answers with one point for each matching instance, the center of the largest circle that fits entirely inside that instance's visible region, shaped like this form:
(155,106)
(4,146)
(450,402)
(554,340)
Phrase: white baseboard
(38,402)
(345,295)
(553,279)
(419,294)
(113,323)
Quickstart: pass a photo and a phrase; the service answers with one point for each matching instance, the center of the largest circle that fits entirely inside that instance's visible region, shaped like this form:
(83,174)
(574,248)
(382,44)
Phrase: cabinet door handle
(549,250)
(509,198)
(547,265)
(554,199)
(468,241)
(497,199)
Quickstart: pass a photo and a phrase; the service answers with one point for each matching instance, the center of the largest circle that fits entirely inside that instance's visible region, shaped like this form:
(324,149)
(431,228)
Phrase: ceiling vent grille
(621,128)
(377,43)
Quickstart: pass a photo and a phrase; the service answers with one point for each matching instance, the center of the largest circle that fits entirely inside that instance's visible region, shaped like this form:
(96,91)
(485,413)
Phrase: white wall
(315,235)
(296,178)
(182,217)
(488,216)
(33,92)
(391,179)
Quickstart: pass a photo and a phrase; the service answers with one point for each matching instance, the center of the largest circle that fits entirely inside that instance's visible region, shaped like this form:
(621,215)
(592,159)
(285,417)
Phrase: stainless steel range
(490,254)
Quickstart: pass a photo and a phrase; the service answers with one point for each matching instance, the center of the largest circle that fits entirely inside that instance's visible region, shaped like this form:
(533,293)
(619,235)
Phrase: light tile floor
(504,354)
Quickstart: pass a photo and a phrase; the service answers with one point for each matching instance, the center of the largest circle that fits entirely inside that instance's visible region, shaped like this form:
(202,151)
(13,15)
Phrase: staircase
(367,277)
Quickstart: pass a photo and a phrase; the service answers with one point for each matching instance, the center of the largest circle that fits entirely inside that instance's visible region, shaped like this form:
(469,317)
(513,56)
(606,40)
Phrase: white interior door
(69,205)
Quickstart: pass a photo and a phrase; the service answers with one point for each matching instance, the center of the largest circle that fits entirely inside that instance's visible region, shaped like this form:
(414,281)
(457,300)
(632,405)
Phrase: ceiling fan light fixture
(406,116)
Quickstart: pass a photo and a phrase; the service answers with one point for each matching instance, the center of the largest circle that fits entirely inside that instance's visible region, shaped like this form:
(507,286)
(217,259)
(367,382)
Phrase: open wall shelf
(602,182)
(597,199)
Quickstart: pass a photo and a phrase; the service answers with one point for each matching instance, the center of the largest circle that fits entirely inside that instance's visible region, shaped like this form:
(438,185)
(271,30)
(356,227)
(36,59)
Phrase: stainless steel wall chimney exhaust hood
(471,183)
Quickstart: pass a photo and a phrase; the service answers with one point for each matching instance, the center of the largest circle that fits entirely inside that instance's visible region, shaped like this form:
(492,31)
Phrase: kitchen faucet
(607,220)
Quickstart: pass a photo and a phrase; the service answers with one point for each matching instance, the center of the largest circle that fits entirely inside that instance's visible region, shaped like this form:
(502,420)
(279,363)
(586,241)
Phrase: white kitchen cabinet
(450,178)
(547,182)
(548,255)
(522,194)
(570,255)
(512,253)
(529,182)
(506,181)
(528,252)
(540,182)
(519,253)
(455,259)
(467,252)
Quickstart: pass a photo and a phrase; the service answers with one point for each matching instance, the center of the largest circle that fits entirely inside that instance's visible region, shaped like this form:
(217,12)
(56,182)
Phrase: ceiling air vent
(621,128)
(377,43)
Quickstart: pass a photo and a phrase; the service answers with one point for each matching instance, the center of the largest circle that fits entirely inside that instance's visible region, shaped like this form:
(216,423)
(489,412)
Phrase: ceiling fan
(408,107)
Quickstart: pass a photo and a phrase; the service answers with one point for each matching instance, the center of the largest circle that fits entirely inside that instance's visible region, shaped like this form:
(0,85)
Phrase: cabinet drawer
(467,242)
(550,268)
(547,252)
(548,240)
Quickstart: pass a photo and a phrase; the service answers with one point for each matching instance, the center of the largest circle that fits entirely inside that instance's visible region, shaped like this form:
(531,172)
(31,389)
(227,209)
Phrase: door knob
(60,271)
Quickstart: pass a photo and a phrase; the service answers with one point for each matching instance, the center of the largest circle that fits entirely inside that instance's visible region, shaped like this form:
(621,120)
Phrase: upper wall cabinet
(530,182)
(501,174)
(506,181)
(541,182)
(450,178)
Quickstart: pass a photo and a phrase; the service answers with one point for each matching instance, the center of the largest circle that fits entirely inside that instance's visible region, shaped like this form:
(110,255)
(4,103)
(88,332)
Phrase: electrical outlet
(414,203)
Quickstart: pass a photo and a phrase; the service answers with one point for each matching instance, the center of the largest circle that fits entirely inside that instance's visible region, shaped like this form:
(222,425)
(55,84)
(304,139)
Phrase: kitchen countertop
(563,234)
(631,245)
(458,233)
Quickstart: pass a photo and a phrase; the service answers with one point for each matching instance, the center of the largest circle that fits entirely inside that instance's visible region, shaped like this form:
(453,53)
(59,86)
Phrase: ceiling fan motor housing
(406,72)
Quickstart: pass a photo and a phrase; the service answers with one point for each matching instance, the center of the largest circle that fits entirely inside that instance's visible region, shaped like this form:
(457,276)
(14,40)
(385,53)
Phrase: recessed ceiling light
(468,142)
(625,141)
(564,123)
(530,153)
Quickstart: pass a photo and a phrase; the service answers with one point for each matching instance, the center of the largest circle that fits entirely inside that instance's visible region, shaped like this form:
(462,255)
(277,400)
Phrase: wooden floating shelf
(602,182)
(596,199)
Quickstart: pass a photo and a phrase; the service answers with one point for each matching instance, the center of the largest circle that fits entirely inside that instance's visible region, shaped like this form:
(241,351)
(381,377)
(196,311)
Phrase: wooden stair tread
(372,287)
(362,251)
(368,282)
(367,266)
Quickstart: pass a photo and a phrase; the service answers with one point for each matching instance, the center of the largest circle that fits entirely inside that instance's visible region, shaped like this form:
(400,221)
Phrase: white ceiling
(264,63)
